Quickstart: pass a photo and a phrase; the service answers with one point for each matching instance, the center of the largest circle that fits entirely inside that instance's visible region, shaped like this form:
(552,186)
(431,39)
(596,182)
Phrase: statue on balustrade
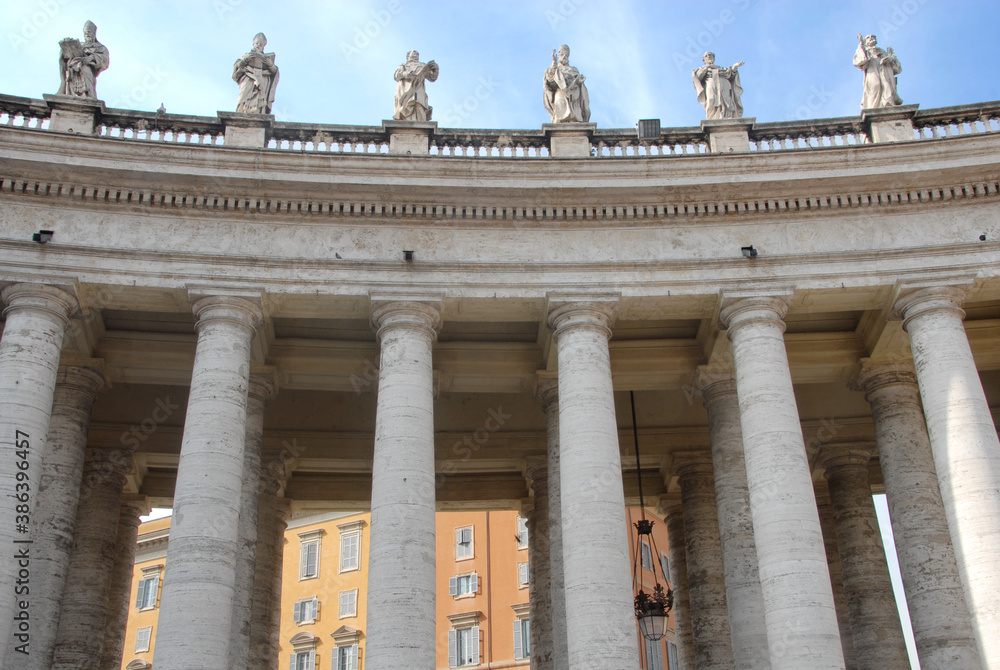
(881,68)
(79,64)
(411,94)
(257,76)
(564,93)
(718,88)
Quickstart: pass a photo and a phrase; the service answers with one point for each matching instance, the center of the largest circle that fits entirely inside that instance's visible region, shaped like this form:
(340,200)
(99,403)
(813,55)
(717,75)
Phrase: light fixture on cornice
(749,252)
(408,256)
(42,236)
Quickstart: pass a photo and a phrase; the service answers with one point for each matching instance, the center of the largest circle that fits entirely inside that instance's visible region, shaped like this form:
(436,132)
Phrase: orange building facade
(483,615)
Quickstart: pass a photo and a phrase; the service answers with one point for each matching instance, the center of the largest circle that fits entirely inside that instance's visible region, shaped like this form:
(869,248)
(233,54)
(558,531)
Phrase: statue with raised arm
(880,68)
(564,92)
(719,89)
(411,94)
(257,76)
(79,64)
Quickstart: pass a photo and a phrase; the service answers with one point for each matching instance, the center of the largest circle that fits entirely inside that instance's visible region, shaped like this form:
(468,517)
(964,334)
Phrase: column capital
(741,308)
(915,298)
(536,472)
(836,455)
(52,300)
(263,383)
(875,376)
(714,381)
(85,376)
(282,510)
(691,464)
(239,310)
(582,310)
(418,311)
(669,506)
(547,390)
(135,506)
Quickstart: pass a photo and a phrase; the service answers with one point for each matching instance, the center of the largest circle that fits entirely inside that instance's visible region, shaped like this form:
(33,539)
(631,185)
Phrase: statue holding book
(80,63)
(257,76)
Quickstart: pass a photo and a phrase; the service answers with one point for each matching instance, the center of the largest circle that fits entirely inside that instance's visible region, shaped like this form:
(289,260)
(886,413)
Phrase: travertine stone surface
(674,516)
(548,396)
(875,627)
(264,567)
(401,578)
(739,551)
(204,533)
(825,509)
(282,512)
(80,638)
(76,389)
(795,581)
(36,319)
(939,615)
(260,390)
(706,579)
(965,447)
(600,622)
(539,562)
(120,591)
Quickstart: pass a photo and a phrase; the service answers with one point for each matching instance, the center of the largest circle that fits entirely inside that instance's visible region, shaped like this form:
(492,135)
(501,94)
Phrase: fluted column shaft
(674,517)
(739,551)
(706,582)
(401,575)
(120,591)
(36,321)
(539,562)
(801,619)
(942,628)
(260,389)
(80,637)
(600,621)
(825,509)
(204,532)
(875,627)
(965,447)
(264,567)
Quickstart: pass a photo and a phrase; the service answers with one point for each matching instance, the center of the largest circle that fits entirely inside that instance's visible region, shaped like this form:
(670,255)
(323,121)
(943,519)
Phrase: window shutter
(352,657)
(140,594)
(453,586)
(297,613)
(303,560)
(312,551)
(152,591)
(467,535)
(311,661)
(291,666)
(314,608)
(475,583)
(475,645)
(452,648)
(518,641)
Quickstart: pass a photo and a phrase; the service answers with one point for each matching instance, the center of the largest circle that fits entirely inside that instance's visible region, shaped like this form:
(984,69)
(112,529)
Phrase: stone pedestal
(119,594)
(889,124)
(540,583)
(802,629)
(569,140)
(942,628)
(965,447)
(739,551)
(727,136)
(36,321)
(410,137)
(875,627)
(249,131)
(204,533)
(600,621)
(402,578)
(71,114)
(670,506)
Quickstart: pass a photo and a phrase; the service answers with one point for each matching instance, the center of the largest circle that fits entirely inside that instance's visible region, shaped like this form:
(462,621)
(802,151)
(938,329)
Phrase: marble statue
(564,93)
(881,68)
(257,76)
(411,95)
(79,64)
(719,89)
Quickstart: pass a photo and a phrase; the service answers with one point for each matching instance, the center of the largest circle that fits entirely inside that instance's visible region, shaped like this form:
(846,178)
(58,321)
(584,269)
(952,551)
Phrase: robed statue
(257,76)
(79,64)
(880,68)
(411,94)
(718,88)
(564,93)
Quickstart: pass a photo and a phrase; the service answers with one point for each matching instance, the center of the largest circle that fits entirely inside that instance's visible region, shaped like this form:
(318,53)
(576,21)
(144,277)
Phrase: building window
(142,639)
(463,543)
(463,647)
(463,585)
(350,546)
(309,550)
(347,658)
(522,638)
(303,660)
(149,588)
(522,532)
(665,566)
(654,655)
(672,662)
(348,603)
(523,573)
(306,611)
(647,556)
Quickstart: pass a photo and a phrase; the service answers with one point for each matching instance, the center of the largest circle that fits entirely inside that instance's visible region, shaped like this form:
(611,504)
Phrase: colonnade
(751,552)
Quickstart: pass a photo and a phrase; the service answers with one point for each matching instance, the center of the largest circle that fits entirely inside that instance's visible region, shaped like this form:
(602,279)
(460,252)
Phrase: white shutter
(475,583)
(313,609)
(312,551)
(452,648)
(303,561)
(311,661)
(291,665)
(475,645)
(152,591)
(352,657)
(453,586)
(140,594)
(518,642)
(296,614)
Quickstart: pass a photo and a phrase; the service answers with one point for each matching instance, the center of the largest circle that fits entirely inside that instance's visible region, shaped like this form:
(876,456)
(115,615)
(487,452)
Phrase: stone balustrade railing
(57,113)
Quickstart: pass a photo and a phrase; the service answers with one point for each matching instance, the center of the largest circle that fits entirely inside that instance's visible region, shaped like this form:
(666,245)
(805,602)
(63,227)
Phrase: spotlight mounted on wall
(749,252)
(42,236)
(649,129)
(982,238)
(408,256)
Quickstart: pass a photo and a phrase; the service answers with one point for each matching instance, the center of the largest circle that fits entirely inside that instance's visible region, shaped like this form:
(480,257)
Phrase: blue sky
(337,58)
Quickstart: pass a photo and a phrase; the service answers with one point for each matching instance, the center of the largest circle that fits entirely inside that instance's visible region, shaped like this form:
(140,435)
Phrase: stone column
(875,627)
(539,580)
(799,610)
(674,516)
(264,567)
(58,496)
(401,573)
(942,628)
(282,511)
(204,533)
(825,510)
(732,498)
(80,637)
(548,395)
(706,582)
(600,619)
(965,447)
(260,390)
(120,591)
(36,320)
